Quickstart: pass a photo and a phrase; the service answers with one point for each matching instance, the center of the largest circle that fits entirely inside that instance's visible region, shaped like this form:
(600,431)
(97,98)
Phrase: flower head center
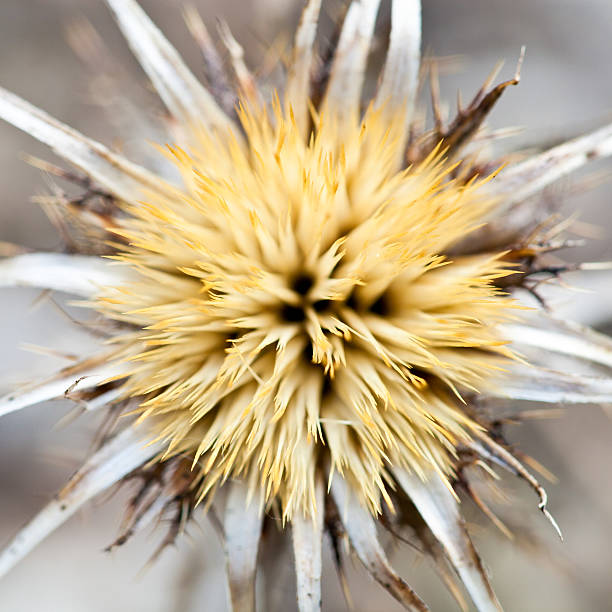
(298,303)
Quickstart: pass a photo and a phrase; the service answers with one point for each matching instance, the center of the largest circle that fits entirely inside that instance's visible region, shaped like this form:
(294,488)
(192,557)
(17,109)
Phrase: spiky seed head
(324,297)
(296,308)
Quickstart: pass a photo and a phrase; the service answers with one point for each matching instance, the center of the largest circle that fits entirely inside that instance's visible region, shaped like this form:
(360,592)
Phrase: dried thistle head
(309,327)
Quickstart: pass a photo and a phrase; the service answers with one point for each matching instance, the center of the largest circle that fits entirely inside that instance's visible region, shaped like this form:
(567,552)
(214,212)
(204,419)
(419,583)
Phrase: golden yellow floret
(295,308)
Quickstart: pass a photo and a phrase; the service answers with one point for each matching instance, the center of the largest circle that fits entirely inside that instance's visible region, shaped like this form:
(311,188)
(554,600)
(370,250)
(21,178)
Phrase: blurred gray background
(566,89)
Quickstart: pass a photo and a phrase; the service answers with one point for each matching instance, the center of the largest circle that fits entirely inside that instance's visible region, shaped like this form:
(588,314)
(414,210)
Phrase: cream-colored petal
(540,385)
(439,509)
(122,178)
(361,529)
(527,178)
(242,530)
(447,575)
(103,400)
(307,535)
(297,91)
(518,212)
(78,274)
(74,379)
(582,343)
(398,87)
(117,458)
(186,98)
(343,94)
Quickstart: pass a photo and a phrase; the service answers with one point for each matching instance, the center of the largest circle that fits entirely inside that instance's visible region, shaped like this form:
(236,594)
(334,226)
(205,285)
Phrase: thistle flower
(305,332)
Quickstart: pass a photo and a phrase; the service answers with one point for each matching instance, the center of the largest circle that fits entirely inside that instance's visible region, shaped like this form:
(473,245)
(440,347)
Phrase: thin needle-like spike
(361,530)
(300,71)
(122,178)
(343,94)
(439,509)
(81,275)
(244,77)
(216,77)
(468,121)
(185,97)
(123,454)
(242,530)
(307,539)
(398,87)
(492,451)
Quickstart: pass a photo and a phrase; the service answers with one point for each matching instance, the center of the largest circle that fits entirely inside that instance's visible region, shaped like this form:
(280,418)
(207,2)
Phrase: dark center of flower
(293,314)
(302,283)
(322,305)
(380,306)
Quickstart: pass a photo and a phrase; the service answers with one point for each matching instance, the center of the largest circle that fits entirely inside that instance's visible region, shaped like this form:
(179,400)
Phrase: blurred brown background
(566,88)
